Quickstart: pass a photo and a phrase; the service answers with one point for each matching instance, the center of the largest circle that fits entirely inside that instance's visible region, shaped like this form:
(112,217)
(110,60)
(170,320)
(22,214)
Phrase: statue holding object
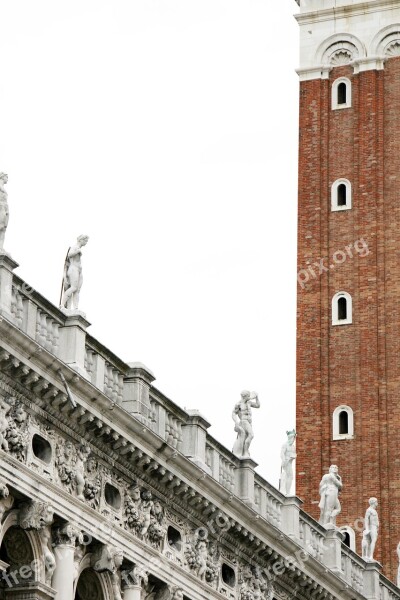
(72,279)
(242,417)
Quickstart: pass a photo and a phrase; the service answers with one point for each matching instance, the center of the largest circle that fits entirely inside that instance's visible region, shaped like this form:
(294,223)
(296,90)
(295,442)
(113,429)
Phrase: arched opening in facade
(89,586)
(16,551)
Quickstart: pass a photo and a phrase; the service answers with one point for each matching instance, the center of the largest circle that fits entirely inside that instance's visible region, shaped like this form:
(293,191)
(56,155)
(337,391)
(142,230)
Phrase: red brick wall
(357,364)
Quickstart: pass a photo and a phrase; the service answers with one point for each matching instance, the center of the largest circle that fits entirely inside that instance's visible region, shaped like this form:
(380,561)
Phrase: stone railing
(353,568)
(312,536)
(268,501)
(221,464)
(36,316)
(387,590)
(105,370)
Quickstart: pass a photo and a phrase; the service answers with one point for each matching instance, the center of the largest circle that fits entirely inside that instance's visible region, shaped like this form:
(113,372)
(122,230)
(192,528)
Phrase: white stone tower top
(358,32)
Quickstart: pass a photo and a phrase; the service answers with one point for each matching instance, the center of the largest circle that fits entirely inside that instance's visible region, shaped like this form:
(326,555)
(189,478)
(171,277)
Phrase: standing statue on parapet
(329,489)
(288,454)
(371,528)
(242,416)
(72,279)
(4,213)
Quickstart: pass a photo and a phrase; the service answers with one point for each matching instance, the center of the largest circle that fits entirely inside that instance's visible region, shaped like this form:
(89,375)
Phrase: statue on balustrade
(243,423)
(72,279)
(288,454)
(371,528)
(329,489)
(4,212)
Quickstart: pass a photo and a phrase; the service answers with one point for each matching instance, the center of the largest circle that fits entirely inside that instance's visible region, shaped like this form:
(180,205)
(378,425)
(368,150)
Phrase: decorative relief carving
(203,558)
(49,558)
(109,558)
(164,592)
(340,53)
(70,464)
(67,534)
(393,49)
(35,515)
(4,410)
(134,577)
(39,516)
(92,487)
(144,516)
(341,57)
(6,501)
(17,433)
(253,585)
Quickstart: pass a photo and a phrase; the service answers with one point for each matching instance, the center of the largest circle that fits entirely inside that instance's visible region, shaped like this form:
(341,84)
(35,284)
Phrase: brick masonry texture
(357,364)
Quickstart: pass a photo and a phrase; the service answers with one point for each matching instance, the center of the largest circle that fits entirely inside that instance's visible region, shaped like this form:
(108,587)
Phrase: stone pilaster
(72,341)
(332,556)
(371,580)
(137,383)
(194,433)
(244,480)
(290,516)
(7,265)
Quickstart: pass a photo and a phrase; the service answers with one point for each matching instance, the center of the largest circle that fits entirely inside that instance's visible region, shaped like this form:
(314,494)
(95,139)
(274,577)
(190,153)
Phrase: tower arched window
(341,195)
(341,93)
(343,423)
(349,537)
(342,309)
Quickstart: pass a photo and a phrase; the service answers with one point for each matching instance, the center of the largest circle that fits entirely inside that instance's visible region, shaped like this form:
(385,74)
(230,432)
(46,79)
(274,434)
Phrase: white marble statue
(72,281)
(288,454)
(371,528)
(242,416)
(4,213)
(329,505)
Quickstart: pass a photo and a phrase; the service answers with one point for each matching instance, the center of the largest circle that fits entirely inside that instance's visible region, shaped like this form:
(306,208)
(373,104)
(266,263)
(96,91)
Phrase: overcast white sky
(167,131)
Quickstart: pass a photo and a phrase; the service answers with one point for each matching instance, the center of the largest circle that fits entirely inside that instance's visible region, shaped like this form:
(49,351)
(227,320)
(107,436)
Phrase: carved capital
(66,535)
(133,577)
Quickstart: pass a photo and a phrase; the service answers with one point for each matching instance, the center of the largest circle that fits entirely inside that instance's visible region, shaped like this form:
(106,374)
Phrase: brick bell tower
(348,321)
